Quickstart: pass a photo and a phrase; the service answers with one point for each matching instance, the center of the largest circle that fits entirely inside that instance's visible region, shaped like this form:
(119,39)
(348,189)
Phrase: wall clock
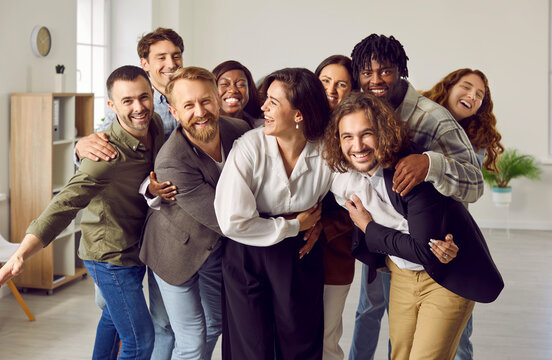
(41,41)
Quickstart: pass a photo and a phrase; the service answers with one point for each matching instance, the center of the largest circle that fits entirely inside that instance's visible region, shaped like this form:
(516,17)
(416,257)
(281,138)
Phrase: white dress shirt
(254,189)
(373,194)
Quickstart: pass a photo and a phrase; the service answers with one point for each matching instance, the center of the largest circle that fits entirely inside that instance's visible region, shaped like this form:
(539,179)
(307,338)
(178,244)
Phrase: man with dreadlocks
(449,162)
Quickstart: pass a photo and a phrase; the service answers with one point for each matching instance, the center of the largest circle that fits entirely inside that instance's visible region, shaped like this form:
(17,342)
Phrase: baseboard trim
(515,225)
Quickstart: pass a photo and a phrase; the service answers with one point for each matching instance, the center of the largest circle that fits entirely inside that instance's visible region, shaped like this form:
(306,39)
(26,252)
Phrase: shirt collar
(311,148)
(159,98)
(376,177)
(130,140)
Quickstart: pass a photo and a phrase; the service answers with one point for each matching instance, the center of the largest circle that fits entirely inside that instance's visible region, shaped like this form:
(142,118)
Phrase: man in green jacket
(113,217)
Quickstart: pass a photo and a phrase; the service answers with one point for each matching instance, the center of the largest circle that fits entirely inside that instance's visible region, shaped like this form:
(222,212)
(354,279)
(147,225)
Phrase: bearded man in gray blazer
(182,242)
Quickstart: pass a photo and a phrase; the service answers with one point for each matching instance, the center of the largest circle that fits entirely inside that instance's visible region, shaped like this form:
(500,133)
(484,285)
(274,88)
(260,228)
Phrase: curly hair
(382,49)
(253,107)
(305,93)
(391,133)
(480,127)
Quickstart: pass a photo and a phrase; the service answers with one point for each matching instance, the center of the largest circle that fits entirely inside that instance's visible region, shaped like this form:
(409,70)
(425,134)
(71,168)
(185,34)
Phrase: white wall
(21,71)
(129,21)
(507,40)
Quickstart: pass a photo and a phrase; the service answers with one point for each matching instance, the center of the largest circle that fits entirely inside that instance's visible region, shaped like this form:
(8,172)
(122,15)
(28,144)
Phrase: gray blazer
(178,238)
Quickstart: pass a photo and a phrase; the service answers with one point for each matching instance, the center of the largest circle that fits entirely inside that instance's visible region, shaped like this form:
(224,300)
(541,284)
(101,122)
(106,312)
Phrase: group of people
(248,207)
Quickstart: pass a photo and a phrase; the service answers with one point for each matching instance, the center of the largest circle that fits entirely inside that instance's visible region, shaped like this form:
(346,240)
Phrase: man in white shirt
(430,303)
(449,162)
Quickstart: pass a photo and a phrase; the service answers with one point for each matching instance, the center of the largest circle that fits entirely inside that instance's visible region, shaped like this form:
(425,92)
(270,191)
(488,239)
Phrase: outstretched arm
(30,245)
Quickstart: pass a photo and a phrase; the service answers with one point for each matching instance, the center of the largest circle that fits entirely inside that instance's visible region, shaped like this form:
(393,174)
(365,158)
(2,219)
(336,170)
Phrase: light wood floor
(516,326)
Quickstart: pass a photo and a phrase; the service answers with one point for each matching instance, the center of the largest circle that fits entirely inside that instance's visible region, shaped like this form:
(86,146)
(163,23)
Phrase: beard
(365,167)
(206,133)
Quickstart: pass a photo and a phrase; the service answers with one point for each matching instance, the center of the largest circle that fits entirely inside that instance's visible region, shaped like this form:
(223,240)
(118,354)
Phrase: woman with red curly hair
(466,94)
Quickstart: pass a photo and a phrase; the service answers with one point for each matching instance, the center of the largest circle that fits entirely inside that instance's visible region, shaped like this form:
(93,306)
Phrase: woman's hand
(360,216)
(311,237)
(309,218)
(445,250)
(164,189)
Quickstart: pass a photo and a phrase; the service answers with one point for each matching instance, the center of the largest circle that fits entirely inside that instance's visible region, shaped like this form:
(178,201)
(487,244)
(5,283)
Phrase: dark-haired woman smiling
(267,197)
(238,97)
(335,74)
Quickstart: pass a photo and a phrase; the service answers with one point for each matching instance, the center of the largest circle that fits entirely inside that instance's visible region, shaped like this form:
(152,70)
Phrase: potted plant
(510,165)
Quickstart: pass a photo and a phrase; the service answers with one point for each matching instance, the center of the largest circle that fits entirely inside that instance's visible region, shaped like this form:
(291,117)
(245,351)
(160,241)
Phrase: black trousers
(274,301)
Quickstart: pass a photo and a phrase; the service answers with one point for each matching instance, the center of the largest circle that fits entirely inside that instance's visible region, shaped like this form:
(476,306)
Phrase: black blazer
(431,215)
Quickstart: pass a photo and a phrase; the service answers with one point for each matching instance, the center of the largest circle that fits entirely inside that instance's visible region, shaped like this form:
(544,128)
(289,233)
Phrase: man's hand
(95,147)
(360,216)
(165,189)
(445,251)
(311,237)
(12,268)
(409,172)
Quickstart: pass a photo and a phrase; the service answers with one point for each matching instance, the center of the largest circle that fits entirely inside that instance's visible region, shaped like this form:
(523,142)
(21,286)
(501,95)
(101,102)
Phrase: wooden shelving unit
(41,162)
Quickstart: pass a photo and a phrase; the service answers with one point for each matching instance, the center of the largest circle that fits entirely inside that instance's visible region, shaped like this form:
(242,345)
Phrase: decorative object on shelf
(510,165)
(58,85)
(41,41)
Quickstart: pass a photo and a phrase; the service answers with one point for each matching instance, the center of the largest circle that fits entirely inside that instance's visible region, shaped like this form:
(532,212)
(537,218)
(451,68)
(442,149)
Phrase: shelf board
(79,271)
(64,141)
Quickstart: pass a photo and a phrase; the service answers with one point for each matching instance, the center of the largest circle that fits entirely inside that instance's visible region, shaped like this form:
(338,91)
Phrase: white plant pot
(502,197)
(59,83)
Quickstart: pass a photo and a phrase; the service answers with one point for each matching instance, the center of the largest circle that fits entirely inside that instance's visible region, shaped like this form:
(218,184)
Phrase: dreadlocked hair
(382,49)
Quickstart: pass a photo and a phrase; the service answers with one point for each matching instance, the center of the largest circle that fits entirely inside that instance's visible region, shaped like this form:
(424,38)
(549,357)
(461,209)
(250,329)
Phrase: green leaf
(511,164)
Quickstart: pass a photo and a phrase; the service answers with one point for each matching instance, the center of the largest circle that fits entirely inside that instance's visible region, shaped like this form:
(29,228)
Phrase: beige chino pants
(425,319)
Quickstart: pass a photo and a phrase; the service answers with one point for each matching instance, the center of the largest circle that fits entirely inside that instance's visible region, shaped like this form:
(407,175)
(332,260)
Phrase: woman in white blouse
(266,198)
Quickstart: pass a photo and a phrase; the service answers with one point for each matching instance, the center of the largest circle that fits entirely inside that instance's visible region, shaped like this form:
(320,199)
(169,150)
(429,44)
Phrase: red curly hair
(481,127)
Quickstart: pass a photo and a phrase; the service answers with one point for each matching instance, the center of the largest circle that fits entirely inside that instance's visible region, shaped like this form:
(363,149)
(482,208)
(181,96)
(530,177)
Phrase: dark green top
(115,211)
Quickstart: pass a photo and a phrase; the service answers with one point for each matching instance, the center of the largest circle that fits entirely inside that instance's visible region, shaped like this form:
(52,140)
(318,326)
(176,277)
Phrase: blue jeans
(125,313)
(195,310)
(373,300)
(465,347)
(100,301)
(164,335)
(372,303)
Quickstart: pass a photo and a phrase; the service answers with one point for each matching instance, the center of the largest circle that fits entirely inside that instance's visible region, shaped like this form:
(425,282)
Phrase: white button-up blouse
(254,190)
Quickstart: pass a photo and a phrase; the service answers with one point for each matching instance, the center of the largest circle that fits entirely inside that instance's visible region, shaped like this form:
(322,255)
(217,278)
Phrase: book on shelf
(58,278)
(56,119)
